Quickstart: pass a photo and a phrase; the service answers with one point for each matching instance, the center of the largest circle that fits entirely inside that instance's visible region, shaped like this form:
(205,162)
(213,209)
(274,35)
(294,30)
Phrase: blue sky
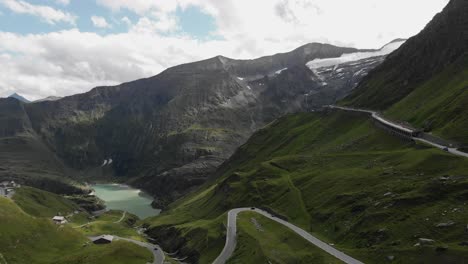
(191,20)
(64,47)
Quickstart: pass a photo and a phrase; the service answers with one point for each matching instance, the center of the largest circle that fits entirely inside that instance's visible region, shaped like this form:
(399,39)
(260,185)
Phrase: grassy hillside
(439,105)
(425,81)
(341,178)
(108,223)
(28,161)
(42,203)
(26,239)
(25,158)
(262,240)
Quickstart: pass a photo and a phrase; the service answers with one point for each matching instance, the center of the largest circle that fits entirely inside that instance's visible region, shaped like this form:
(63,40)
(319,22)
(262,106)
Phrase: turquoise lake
(126,198)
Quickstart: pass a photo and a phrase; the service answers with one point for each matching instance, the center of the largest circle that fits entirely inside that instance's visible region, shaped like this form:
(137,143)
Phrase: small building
(104,239)
(59,220)
(9,184)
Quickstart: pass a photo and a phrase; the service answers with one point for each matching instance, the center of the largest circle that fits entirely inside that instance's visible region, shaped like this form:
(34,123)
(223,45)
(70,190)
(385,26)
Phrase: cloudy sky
(63,47)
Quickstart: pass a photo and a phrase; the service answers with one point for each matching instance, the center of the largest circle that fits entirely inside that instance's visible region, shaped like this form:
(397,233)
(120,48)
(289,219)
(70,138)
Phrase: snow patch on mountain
(106,162)
(348,57)
(317,73)
(280,71)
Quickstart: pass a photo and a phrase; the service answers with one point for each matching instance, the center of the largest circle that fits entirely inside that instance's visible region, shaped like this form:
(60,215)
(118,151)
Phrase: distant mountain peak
(19,98)
(49,98)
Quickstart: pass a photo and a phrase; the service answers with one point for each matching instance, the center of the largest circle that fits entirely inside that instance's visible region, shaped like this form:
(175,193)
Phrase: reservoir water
(126,198)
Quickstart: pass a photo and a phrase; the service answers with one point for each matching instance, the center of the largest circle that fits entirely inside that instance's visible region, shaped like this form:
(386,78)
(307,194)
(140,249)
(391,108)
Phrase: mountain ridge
(167,132)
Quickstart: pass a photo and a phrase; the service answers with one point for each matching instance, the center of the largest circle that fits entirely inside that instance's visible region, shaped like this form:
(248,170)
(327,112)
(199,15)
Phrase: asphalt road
(231,237)
(158,254)
(450,150)
(375,115)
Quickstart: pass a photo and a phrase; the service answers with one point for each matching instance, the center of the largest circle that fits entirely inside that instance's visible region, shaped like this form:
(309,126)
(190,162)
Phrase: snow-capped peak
(347,57)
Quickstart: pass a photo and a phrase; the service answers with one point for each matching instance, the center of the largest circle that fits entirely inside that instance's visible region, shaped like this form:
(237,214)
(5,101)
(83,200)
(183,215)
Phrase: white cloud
(360,23)
(100,22)
(70,61)
(62,2)
(126,20)
(47,13)
(145,25)
(141,6)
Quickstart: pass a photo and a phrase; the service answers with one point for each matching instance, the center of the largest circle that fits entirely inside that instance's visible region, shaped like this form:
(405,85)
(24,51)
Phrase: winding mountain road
(375,115)
(231,237)
(454,151)
(158,254)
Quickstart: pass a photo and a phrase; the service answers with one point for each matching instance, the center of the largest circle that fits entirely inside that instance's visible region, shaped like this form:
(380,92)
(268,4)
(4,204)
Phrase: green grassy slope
(42,203)
(341,178)
(108,223)
(425,81)
(119,252)
(26,239)
(262,240)
(439,105)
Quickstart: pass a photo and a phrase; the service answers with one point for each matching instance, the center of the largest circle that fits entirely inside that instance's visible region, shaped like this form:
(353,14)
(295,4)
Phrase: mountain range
(375,195)
(167,133)
(262,136)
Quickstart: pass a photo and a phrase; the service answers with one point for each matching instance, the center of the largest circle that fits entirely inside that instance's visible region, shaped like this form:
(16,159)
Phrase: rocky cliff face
(168,132)
(24,157)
